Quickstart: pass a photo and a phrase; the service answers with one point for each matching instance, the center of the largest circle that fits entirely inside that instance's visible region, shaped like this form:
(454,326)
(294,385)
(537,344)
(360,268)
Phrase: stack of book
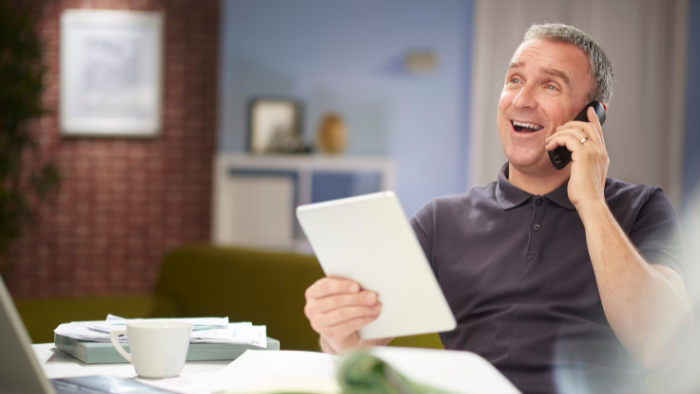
(212,339)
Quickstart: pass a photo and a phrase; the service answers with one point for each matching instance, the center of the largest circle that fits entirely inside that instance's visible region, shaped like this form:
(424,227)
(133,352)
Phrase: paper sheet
(197,322)
(254,368)
(211,331)
(291,371)
(291,385)
(81,331)
(216,335)
(249,334)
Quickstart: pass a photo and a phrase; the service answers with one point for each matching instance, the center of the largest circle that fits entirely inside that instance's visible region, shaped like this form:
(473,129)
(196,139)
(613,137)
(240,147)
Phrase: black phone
(561,156)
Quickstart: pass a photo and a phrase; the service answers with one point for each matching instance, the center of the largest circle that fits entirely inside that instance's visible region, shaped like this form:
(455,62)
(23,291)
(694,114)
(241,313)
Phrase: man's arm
(646,305)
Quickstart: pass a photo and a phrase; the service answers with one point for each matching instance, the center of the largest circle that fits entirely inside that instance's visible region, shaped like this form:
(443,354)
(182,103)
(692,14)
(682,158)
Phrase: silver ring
(583,141)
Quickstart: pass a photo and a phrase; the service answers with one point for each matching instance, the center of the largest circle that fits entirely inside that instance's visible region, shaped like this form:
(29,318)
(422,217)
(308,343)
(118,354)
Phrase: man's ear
(605,106)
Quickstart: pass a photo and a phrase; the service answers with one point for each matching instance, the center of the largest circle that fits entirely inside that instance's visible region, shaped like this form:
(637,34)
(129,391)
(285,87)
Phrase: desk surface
(57,364)
(450,371)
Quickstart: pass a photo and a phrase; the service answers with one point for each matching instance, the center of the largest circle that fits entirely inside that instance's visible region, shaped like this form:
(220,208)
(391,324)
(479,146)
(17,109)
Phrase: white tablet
(368,239)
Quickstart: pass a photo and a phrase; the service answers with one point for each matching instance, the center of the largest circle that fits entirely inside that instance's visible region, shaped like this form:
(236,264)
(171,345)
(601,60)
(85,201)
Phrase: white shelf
(304,166)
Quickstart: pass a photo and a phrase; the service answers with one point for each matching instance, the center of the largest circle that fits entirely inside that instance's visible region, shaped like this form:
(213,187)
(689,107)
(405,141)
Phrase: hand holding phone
(561,156)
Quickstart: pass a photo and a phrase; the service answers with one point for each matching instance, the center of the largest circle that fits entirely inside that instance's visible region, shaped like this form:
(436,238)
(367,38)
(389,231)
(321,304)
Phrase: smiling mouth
(526,127)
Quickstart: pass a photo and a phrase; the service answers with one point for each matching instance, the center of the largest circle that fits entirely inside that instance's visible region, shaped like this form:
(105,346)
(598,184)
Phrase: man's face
(546,86)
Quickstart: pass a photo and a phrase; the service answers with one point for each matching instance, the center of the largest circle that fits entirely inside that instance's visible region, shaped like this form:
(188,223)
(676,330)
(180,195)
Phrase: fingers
(337,308)
(585,152)
(327,304)
(579,130)
(595,121)
(586,128)
(572,144)
(345,331)
(592,128)
(570,137)
(336,303)
(341,315)
(329,286)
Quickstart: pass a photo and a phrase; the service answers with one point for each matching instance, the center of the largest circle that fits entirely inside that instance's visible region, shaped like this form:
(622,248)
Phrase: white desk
(451,371)
(57,364)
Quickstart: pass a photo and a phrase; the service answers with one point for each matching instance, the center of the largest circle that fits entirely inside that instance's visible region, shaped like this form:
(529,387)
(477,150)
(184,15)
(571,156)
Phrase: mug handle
(113,336)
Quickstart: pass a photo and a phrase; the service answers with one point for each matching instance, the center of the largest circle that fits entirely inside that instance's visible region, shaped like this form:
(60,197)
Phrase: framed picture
(274,126)
(111,73)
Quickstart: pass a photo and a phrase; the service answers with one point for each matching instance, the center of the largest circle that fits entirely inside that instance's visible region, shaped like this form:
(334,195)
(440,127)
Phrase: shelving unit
(255,196)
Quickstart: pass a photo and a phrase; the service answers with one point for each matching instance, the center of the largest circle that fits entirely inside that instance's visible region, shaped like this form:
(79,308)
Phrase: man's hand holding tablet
(337,308)
(379,283)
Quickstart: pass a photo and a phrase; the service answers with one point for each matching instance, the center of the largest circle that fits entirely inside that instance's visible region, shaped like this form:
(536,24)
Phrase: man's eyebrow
(549,71)
(557,73)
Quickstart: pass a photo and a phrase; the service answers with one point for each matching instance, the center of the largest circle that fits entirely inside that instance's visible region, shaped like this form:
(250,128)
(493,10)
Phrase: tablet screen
(369,240)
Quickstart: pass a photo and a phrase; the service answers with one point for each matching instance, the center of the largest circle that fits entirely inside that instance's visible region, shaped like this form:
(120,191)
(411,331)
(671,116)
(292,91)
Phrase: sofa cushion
(262,287)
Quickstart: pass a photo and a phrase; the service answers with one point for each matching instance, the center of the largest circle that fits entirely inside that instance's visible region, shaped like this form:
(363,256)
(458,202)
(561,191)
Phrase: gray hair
(601,68)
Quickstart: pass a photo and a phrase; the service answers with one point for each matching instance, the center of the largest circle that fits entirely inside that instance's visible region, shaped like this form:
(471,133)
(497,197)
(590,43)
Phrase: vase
(332,134)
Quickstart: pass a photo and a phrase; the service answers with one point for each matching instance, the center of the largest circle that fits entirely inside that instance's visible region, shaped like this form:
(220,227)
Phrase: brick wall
(125,202)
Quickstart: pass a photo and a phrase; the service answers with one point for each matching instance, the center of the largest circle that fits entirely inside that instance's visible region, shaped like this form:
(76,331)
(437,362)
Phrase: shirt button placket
(538,202)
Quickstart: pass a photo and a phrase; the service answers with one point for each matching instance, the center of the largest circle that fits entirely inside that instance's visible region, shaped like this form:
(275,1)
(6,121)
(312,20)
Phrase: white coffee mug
(158,348)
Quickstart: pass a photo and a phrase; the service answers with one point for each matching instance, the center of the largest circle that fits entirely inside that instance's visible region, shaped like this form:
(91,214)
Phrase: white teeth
(530,126)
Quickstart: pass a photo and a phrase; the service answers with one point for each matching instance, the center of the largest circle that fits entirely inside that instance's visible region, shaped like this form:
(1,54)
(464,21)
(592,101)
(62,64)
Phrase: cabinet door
(262,207)
(327,185)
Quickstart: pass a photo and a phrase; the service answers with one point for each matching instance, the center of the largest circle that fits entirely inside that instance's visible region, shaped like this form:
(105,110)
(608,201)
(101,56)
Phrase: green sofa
(246,285)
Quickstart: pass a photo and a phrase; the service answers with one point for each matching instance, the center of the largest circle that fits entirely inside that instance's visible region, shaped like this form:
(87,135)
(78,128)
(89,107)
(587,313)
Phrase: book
(105,353)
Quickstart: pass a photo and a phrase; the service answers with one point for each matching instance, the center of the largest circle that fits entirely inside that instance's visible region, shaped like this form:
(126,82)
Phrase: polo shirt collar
(560,196)
(509,196)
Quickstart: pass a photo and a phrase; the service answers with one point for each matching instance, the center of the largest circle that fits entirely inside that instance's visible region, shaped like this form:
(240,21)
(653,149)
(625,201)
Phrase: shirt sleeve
(423,223)
(657,233)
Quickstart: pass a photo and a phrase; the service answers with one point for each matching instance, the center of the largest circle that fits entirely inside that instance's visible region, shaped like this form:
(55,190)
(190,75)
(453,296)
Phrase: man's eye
(551,87)
(515,80)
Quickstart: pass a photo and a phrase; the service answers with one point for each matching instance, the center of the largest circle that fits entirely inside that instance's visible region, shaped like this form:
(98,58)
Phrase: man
(562,279)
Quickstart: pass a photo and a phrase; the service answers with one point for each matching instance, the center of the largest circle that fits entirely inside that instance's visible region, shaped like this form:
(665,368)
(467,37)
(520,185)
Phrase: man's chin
(531,165)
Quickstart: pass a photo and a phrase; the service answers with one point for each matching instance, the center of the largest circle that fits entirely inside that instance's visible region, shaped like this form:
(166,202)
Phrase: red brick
(125,202)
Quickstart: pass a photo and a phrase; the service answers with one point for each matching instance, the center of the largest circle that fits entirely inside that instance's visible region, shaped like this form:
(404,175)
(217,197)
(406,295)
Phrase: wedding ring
(583,141)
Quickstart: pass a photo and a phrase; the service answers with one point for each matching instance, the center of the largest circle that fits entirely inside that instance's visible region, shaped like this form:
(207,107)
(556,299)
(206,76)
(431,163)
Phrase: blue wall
(691,159)
(345,56)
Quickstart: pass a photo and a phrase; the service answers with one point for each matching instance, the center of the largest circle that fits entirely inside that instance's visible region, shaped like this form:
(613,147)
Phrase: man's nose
(525,98)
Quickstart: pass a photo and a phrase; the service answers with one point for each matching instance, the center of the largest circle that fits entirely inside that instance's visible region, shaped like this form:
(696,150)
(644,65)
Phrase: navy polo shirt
(515,270)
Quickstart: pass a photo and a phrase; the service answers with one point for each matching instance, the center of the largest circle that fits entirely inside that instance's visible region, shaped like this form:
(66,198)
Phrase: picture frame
(111,73)
(274,125)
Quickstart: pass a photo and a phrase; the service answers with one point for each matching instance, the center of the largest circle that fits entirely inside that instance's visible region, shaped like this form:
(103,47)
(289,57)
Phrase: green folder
(105,353)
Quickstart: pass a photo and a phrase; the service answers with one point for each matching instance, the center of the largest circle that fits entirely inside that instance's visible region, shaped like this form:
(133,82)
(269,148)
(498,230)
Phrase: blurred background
(266,105)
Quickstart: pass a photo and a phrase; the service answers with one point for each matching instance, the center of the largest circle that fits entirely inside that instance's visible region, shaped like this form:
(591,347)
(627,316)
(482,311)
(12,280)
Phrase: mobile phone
(561,156)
